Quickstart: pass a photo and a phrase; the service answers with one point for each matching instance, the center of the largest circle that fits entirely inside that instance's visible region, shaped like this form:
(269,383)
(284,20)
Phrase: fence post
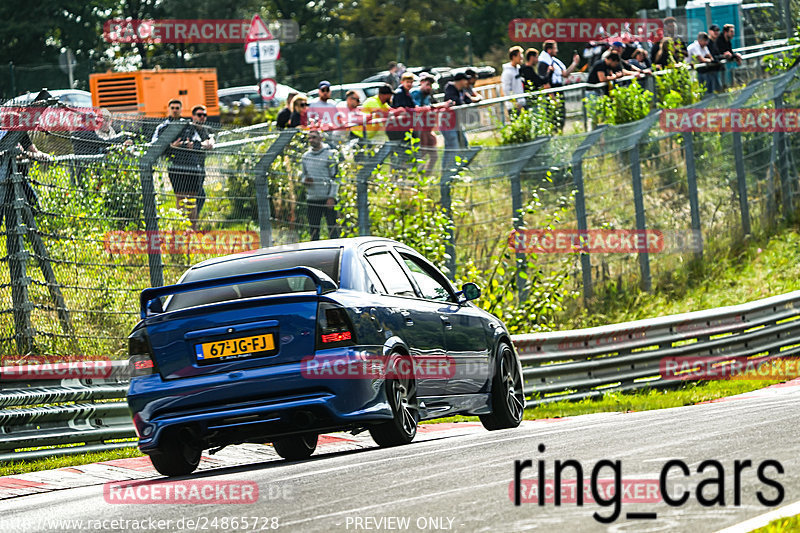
(466,155)
(362,184)
(641,222)
(167,136)
(580,205)
(779,141)
(13,79)
(694,201)
(516,201)
(17,255)
(741,180)
(261,170)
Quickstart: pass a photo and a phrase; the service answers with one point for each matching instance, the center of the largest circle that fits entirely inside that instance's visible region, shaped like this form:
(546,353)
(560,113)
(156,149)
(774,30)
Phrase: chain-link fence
(78,230)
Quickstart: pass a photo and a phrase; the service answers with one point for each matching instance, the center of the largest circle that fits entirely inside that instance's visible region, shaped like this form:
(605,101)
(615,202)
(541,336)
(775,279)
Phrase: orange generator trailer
(147,92)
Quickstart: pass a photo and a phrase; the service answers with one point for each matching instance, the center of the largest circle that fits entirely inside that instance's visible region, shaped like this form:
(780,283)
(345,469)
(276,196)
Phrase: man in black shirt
(529,71)
(454,138)
(604,71)
(402,98)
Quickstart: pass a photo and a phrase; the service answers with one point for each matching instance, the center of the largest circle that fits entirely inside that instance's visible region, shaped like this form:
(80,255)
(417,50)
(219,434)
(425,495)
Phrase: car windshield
(324,259)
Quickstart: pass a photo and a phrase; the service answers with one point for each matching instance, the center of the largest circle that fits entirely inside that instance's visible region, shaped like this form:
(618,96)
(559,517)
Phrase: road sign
(263,50)
(268,88)
(258,31)
(264,69)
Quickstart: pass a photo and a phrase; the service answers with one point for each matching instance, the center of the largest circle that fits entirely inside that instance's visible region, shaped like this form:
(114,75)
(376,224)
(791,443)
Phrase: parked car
(71,97)
(338,92)
(249,95)
(223,356)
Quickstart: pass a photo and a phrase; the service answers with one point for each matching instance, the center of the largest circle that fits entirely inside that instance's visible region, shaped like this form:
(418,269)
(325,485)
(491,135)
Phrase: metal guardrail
(587,363)
(88,414)
(40,408)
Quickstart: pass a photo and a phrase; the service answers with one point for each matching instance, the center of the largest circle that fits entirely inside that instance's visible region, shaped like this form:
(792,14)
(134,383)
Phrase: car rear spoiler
(322,281)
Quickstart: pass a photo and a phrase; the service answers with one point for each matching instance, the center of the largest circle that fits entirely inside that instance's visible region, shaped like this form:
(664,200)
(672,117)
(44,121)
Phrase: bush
(540,119)
(676,88)
(622,105)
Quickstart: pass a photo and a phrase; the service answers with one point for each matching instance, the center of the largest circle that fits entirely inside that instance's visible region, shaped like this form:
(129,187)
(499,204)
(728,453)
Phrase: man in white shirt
(700,56)
(322,111)
(560,73)
(511,78)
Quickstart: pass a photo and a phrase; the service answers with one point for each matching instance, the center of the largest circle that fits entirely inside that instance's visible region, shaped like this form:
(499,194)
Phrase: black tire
(176,458)
(401,392)
(508,397)
(296,448)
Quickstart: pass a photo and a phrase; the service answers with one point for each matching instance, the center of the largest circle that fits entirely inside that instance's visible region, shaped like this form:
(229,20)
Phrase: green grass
(21,467)
(781,525)
(759,268)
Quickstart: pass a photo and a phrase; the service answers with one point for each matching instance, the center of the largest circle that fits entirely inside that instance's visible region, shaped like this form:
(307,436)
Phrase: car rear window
(324,259)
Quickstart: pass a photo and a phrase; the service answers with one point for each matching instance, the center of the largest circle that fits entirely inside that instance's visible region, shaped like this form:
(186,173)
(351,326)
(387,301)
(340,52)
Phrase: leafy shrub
(624,104)
(540,119)
(676,87)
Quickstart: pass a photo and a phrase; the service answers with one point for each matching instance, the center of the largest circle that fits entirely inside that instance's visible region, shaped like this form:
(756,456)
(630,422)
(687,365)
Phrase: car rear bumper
(256,404)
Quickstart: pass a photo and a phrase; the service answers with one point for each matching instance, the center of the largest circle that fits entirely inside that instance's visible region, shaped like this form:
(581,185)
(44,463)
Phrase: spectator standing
(454,137)
(322,111)
(98,142)
(701,57)
(470,95)
(285,114)
(174,108)
(714,68)
(190,163)
(402,100)
(393,77)
(322,187)
(560,73)
(724,44)
(422,96)
(376,108)
(350,121)
(530,71)
(511,78)
(299,116)
(604,71)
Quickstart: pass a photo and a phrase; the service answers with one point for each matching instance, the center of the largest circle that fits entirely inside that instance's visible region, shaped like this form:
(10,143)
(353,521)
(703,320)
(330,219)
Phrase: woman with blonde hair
(299,111)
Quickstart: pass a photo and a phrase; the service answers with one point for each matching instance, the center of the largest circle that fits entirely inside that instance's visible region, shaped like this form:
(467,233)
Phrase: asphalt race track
(461,482)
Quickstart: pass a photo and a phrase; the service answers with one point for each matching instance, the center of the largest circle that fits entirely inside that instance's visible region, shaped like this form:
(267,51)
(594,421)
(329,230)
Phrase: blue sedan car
(282,344)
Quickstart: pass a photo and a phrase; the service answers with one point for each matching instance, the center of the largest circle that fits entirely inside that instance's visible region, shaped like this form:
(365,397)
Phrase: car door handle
(446,321)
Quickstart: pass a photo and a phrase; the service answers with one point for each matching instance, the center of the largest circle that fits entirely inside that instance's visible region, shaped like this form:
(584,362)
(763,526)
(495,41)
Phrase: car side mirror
(470,291)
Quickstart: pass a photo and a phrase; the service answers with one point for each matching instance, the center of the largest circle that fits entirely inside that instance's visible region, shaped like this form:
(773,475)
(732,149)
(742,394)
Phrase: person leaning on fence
(604,71)
(376,108)
(404,103)
(98,142)
(423,97)
(349,119)
(704,62)
(320,169)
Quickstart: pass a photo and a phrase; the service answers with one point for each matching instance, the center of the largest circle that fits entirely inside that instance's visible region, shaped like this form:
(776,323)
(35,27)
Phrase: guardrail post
(694,201)
(466,155)
(362,189)
(156,150)
(261,171)
(580,205)
(741,180)
(641,222)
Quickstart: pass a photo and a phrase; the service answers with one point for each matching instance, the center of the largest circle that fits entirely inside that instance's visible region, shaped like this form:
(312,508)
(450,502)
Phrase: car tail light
(140,356)
(334,326)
